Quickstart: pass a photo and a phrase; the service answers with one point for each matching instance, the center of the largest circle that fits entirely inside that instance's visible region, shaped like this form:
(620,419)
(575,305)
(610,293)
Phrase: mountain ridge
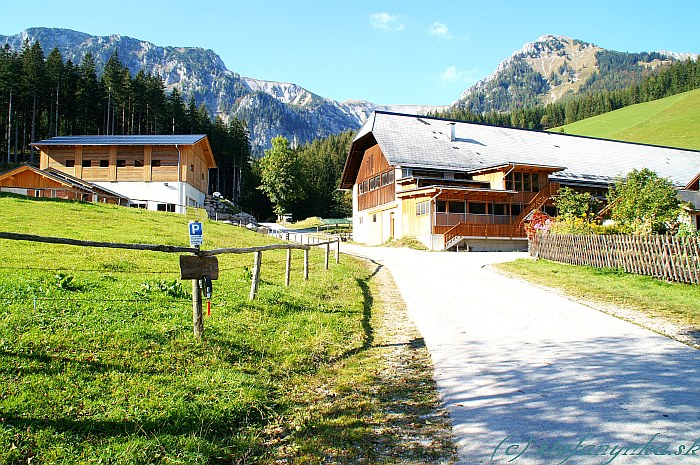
(270,108)
(540,72)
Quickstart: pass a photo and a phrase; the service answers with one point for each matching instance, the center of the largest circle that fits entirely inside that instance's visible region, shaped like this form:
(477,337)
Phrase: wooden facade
(375,181)
(29,181)
(127,163)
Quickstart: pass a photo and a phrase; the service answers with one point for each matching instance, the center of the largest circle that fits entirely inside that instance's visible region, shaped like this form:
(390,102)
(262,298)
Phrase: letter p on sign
(195,228)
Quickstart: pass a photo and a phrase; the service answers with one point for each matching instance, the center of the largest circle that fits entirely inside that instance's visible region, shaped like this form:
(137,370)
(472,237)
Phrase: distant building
(457,184)
(167,173)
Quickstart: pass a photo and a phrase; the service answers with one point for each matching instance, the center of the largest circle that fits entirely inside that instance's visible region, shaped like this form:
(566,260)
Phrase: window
(385,179)
(371,184)
(360,188)
(422,208)
(121,163)
(166,207)
(70,163)
(377,182)
(390,176)
(516,209)
(365,185)
(500,208)
(155,163)
(477,208)
(457,207)
(87,163)
(374,218)
(138,205)
(463,176)
(523,182)
(441,206)
(428,174)
(104,163)
(138,162)
(405,172)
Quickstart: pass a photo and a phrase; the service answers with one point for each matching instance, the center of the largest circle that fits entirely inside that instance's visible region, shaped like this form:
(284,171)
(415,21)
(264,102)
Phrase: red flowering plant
(540,222)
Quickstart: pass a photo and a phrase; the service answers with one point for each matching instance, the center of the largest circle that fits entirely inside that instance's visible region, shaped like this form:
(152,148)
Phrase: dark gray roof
(693,197)
(417,141)
(186,139)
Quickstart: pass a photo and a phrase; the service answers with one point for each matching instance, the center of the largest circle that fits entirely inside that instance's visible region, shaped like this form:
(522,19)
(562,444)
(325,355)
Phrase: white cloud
(386,22)
(452,75)
(439,29)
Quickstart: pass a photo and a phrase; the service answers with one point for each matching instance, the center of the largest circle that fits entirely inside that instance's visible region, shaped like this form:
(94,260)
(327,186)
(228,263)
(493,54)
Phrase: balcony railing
(451,219)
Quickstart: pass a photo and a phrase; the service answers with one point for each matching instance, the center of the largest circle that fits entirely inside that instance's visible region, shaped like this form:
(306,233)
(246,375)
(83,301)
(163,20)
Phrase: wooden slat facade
(131,163)
(374,164)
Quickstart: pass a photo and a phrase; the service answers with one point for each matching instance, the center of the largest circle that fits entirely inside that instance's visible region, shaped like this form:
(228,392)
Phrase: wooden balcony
(480,230)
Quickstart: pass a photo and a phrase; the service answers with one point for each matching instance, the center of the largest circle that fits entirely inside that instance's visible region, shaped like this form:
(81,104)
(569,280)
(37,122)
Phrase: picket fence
(665,257)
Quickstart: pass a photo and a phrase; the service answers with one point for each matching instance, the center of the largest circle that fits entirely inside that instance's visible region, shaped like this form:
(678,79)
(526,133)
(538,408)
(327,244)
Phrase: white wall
(154,193)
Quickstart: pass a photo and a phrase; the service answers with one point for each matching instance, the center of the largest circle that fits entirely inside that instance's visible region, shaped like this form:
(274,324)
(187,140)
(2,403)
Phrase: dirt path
(530,377)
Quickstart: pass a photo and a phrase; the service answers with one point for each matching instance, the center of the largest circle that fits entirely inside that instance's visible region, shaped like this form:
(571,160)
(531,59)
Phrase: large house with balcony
(453,184)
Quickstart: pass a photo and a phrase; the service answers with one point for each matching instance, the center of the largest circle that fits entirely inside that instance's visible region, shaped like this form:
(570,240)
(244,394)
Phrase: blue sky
(402,51)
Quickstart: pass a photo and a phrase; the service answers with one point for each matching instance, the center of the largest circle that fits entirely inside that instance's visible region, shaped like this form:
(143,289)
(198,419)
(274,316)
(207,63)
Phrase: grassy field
(97,359)
(672,121)
(679,303)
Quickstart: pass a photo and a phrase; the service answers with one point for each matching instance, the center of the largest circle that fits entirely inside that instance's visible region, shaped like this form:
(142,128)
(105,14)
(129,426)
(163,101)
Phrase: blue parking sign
(196,230)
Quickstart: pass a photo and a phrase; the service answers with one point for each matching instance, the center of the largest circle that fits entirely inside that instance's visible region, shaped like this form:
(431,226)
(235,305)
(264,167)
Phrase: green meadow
(98,363)
(671,121)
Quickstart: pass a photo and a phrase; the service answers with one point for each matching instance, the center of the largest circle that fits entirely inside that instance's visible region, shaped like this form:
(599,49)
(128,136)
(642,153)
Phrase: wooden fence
(197,319)
(665,257)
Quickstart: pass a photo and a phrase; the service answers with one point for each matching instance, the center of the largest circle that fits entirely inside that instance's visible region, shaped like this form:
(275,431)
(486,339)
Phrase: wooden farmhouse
(455,184)
(167,173)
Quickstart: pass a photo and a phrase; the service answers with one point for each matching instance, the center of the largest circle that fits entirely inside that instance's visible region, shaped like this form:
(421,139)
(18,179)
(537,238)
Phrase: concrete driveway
(530,377)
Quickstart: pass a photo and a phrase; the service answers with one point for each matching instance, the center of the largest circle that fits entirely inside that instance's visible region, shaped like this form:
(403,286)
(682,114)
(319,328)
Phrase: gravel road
(530,377)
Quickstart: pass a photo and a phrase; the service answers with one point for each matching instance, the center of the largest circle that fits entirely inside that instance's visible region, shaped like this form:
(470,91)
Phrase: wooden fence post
(306,264)
(328,251)
(337,252)
(288,268)
(256,275)
(197,320)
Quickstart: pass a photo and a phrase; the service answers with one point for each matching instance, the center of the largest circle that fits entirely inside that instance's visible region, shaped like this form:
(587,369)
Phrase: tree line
(679,77)
(304,180)
(44,97)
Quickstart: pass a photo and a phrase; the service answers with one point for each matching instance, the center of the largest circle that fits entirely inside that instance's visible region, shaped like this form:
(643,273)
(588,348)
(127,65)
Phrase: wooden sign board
(195,267)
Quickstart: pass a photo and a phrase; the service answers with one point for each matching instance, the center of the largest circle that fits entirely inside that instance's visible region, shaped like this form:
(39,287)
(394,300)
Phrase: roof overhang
(354,160)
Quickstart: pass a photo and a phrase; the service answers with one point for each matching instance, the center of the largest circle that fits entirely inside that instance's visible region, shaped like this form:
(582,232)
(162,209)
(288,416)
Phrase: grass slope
(97,359)
(671,121)
(675,302)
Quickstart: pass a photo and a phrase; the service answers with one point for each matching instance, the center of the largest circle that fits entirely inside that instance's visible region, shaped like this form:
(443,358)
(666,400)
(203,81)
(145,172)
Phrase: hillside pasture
(671,121)
(98,363)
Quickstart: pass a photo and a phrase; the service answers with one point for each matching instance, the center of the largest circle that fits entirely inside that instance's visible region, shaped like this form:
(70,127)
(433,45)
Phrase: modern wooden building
(168,172)
(455,184)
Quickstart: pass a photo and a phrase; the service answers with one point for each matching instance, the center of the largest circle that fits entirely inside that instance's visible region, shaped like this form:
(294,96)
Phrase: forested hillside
(679,77)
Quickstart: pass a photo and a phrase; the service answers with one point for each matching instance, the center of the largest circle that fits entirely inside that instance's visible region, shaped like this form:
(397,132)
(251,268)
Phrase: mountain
(671,121)
(270,108)
(553,67)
